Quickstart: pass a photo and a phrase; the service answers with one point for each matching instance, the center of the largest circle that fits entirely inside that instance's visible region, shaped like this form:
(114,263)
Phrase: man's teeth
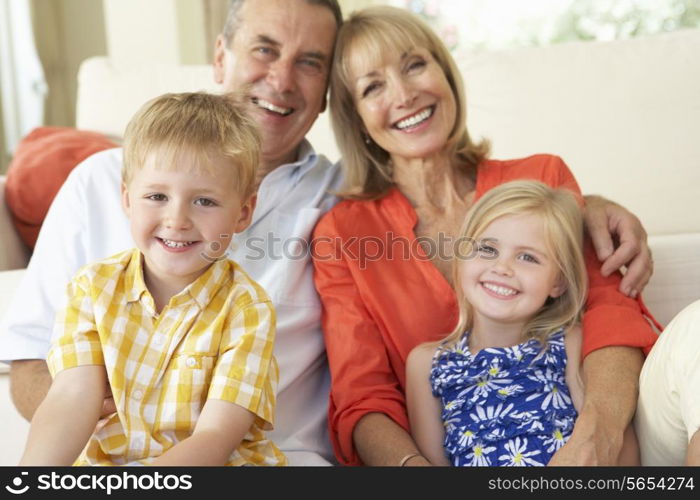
(500,290)
(415,119)
(176,244)
(262,103)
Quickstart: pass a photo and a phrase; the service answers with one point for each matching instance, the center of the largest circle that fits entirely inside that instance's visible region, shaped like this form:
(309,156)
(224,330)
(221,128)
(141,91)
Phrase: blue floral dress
(506,405)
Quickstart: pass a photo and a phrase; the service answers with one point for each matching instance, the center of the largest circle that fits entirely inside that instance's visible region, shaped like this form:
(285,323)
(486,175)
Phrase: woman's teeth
(415,119)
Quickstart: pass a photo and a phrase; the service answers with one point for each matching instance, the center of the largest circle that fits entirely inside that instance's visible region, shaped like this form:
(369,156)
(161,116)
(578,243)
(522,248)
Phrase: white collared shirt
(86,223)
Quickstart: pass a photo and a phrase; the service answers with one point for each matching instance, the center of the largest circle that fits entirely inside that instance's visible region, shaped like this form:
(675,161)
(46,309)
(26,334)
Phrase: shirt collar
(278,184)
(207,285)
(200,290)
(135,284)
(307,156)
(306,160)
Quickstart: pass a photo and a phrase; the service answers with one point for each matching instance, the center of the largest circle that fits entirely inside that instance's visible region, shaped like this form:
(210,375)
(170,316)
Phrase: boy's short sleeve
(75,339)
(246,372)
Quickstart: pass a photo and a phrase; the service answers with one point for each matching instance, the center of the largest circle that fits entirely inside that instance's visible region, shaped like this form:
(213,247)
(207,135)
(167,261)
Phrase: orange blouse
(382,296)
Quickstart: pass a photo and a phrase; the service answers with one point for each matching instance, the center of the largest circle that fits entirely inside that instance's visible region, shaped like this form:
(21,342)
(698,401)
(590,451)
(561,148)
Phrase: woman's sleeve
(611,318)
(362,379)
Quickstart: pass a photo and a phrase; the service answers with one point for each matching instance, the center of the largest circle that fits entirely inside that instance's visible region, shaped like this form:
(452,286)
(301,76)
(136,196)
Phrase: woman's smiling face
(405,101)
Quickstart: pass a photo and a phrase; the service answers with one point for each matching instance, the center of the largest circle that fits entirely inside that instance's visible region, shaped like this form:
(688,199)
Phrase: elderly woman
(412,172)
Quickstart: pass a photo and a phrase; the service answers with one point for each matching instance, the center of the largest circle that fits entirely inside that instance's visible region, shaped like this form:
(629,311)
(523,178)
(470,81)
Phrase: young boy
(179,333)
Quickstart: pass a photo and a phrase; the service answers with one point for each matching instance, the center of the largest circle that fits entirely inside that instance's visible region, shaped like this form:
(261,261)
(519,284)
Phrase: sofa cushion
(676,280)
(128,88)
(41,163)
(624,115)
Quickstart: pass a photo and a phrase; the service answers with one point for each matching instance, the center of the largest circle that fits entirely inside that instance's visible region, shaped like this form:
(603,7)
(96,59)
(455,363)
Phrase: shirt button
(137,395)
(191,362)
(159,339)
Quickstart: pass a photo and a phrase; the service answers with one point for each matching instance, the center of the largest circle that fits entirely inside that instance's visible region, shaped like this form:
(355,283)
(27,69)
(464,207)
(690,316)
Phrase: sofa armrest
(14,254)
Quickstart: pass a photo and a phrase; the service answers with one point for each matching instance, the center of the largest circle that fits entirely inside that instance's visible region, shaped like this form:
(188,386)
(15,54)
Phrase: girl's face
(406,103)
(513,273)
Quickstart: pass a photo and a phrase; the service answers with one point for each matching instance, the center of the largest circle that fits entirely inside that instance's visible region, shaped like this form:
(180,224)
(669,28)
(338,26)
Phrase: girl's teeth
(415,119)
(500,290)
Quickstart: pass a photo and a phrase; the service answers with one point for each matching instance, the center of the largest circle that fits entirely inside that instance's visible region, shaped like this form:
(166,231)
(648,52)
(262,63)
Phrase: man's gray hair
(234,6)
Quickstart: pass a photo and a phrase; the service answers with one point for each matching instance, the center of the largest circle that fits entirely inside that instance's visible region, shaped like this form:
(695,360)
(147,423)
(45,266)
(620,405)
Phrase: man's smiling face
(281,54)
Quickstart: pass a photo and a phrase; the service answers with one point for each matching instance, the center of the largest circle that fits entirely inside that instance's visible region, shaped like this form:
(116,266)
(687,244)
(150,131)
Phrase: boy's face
(183,218)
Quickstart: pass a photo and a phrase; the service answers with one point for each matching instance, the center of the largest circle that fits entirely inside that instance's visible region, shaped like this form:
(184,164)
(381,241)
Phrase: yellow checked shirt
(212,341)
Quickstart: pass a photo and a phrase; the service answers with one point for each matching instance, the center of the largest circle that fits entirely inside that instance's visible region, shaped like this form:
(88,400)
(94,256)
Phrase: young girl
(505,382)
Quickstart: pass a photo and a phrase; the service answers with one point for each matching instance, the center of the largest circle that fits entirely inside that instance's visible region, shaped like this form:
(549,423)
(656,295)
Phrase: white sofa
(624,115)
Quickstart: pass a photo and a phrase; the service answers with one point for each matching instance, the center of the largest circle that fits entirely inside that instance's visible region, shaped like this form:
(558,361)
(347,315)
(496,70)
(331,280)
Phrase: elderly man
(280,52)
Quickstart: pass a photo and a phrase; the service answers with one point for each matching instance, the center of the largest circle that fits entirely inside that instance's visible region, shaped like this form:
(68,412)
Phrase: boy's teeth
(500,290)
(262,103)
(415,119)
(176,244)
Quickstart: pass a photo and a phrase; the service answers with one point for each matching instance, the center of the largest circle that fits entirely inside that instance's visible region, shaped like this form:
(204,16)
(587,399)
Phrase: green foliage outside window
(491,24)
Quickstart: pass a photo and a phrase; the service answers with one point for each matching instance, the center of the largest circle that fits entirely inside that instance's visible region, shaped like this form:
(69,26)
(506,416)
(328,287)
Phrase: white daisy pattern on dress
(479,456)
(511,390)
(467,438)
(491,380)
(518,455)
(490,413)
(505,406)
(555,441)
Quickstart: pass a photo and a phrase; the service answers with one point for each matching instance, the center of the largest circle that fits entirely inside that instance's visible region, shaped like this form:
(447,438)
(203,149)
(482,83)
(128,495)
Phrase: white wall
(139,31)
(166,31)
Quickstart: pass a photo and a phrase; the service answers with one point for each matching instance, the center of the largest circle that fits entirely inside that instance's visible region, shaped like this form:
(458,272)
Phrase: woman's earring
(368,141)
